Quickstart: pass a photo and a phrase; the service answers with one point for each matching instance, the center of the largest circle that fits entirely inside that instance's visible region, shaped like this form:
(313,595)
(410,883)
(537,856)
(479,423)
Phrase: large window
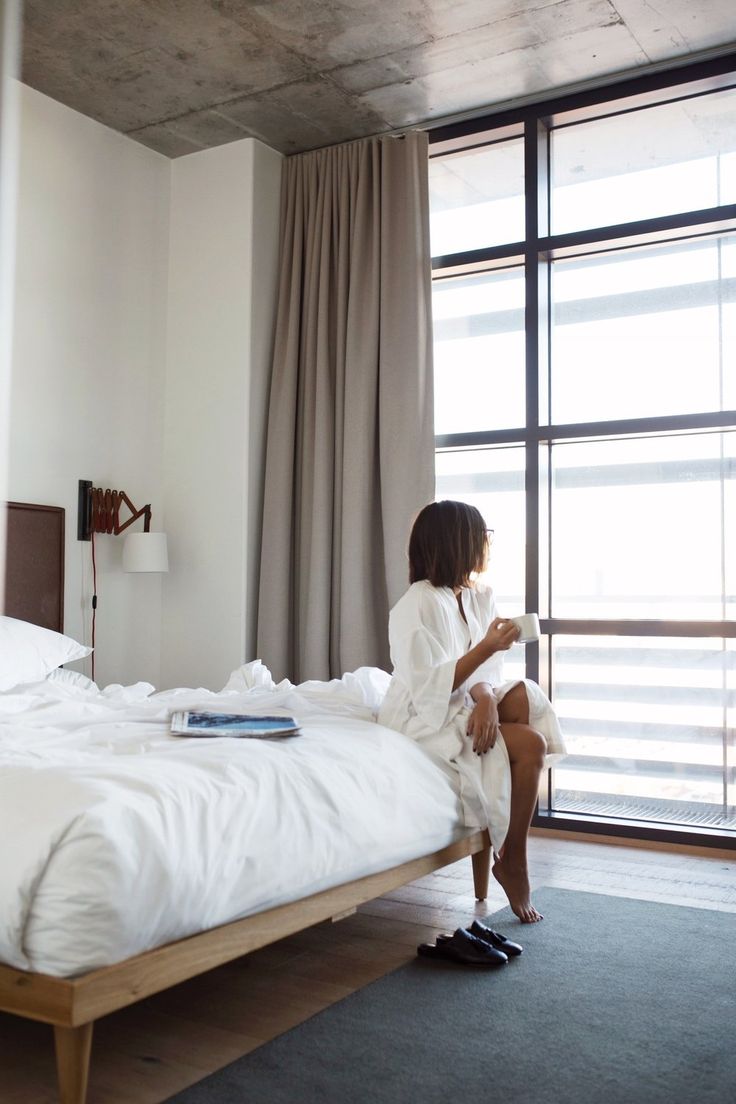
(585,381)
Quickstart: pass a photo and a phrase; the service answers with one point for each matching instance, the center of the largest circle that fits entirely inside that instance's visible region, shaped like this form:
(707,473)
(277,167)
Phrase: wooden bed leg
(481,870)
(73,1046)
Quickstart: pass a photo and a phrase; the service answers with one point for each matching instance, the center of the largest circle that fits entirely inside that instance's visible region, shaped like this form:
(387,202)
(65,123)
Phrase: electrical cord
(94,603)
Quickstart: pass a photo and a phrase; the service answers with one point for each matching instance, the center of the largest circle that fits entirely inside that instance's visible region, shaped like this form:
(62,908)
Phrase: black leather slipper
(500,942)
(463,947)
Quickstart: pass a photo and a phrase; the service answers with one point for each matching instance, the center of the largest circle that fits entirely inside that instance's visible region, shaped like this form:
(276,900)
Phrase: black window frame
(540,247)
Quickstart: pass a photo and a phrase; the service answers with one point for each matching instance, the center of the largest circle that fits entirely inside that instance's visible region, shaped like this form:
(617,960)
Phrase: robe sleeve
(421,654)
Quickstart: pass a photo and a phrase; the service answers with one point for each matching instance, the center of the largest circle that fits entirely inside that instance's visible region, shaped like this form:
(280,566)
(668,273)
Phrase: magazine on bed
(202,723)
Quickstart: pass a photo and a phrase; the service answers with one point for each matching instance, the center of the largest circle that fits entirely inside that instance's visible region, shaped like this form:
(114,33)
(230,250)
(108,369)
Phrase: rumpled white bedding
(117,837)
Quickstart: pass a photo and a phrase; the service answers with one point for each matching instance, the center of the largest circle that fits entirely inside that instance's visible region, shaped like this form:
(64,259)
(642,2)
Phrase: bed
(140,860)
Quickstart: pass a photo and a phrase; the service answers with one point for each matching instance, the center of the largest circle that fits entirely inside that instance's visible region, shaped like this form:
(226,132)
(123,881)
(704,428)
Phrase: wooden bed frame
(72,1005)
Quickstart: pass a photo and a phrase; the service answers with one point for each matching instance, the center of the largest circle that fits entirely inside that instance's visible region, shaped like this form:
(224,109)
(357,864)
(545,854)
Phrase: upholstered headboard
(34,570)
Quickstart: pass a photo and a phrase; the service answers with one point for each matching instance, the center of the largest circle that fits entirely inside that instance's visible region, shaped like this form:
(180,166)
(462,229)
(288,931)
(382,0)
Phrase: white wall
(266,216)
(222,279)
(9,58)
(89,356)
(145,296)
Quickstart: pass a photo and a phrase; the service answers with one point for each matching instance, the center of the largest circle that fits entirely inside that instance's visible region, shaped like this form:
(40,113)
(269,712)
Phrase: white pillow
(29,653)
(72,678)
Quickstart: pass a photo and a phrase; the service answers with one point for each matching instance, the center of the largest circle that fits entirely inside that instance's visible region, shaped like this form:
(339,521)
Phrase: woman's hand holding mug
(501,634)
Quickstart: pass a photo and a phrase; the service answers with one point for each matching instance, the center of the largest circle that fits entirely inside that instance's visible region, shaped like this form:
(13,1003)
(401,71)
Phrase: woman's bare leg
(514,706)
(526,748)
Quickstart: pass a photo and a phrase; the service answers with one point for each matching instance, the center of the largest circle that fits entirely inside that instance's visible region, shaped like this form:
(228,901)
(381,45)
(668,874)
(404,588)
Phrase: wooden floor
(150,1051)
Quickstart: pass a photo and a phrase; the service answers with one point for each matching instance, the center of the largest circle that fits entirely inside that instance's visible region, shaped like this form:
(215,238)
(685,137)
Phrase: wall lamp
(99,512)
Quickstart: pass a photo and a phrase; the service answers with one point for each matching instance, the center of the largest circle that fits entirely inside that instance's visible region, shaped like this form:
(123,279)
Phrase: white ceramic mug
(528,626)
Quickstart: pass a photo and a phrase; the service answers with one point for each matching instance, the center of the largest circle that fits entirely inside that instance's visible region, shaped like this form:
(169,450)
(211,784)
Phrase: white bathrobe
(428,636)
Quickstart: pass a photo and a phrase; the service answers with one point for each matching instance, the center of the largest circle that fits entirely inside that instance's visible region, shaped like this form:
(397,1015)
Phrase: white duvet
(117,837)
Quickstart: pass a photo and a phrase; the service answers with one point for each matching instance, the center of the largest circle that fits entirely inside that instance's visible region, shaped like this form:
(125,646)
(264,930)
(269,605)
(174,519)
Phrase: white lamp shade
(145,552)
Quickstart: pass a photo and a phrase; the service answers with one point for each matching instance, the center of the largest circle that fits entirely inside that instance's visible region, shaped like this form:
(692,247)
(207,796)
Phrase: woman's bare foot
(515,884)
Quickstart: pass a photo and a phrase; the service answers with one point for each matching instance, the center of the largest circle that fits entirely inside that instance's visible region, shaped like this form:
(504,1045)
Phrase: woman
(447,689)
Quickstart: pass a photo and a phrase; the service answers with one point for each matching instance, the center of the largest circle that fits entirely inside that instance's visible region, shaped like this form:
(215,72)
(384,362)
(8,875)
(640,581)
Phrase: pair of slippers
(474,946)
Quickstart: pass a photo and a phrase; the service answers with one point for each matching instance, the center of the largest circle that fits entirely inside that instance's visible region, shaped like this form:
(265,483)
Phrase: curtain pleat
(350,440)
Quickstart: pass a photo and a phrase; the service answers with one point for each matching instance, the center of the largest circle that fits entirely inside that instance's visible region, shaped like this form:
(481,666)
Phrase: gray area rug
(613,1001)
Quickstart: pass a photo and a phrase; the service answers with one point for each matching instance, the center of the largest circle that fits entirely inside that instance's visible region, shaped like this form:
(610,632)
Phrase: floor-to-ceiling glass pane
(644,332)
(640,528)
(647,163)
(648,722)
(637,529)
(476,197)
(479,381)
(493,480)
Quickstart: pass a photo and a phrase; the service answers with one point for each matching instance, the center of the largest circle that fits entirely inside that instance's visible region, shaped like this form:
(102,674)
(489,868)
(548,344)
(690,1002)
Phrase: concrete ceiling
(183,75)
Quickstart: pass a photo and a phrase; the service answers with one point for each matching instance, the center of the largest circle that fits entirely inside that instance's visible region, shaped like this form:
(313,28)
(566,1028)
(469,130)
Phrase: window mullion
(536,191)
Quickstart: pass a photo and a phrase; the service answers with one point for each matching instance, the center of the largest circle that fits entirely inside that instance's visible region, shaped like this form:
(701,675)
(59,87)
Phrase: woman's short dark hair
(447,544)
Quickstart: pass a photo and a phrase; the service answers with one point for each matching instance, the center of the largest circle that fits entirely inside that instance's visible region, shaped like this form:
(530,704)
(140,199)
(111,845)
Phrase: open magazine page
(204,723)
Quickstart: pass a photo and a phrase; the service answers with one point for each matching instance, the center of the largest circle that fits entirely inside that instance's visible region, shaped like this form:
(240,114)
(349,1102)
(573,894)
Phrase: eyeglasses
(489,535)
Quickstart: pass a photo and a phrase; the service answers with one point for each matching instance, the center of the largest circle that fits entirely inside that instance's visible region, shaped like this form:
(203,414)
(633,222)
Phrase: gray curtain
(350,440)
